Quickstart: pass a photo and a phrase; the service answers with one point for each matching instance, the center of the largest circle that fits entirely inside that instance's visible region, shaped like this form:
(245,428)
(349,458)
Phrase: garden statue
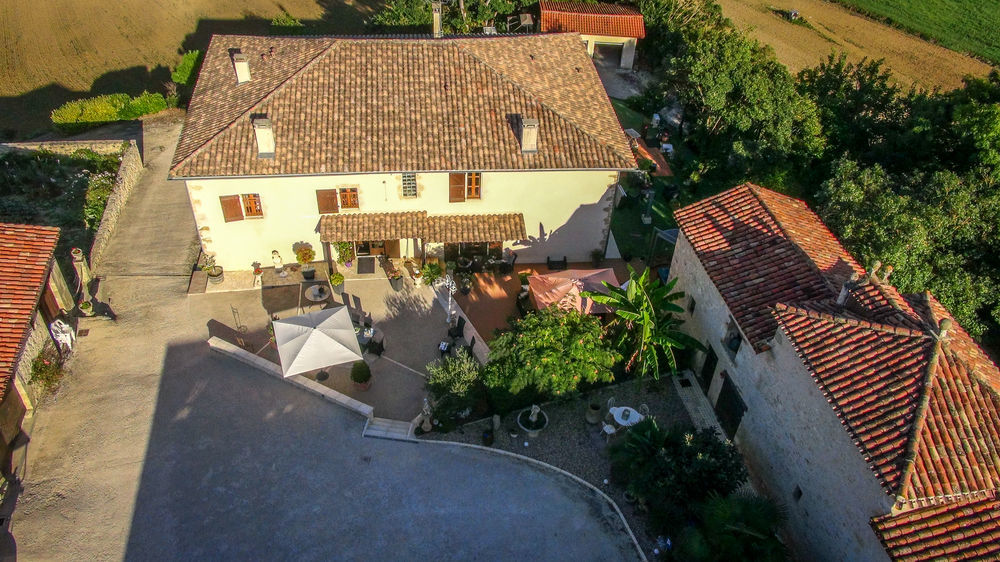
(532,420)
(534,413)
(279,266)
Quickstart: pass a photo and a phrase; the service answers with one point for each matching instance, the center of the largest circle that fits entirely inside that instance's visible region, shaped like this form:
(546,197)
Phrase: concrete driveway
(157,449)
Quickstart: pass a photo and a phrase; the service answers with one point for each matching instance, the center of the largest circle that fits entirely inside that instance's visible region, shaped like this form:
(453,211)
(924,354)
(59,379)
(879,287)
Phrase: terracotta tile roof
(476,228)
(343,105)
(611,20)
(760,248)
(32,249)
(962,530)
(923,408)
(416,224)
(356,227)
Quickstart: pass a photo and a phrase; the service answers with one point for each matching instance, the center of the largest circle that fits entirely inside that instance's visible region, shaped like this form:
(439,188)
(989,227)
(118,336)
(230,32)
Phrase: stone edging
(635,542)
(129,172)
(238,353)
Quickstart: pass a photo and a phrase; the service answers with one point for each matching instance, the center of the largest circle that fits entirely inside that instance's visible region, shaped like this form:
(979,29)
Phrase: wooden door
(392,249)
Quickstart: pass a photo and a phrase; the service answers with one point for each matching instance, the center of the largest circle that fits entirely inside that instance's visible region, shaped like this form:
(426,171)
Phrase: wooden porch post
(328,256)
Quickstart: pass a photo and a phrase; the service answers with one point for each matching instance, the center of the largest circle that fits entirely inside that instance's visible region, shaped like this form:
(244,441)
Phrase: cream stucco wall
(789,435)
(565,212)
(628,47)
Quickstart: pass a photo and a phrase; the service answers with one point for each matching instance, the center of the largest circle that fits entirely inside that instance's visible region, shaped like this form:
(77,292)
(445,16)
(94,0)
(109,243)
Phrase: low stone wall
(37,337)
(129,173)
(66,146)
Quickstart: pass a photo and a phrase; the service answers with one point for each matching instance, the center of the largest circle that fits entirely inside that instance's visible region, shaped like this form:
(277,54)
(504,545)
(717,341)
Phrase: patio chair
(507,267)
(608,430)
(469,347)
(556,265)
(376,347)
(644,410)
(458,331)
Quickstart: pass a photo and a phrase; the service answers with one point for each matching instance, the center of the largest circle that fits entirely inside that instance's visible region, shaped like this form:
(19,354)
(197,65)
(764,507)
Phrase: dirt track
(55,50)
(912,60)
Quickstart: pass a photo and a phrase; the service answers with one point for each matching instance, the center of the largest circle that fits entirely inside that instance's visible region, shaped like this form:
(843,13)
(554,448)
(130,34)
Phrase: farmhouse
(872,415)
(611,31)
(33,294)
(401,147)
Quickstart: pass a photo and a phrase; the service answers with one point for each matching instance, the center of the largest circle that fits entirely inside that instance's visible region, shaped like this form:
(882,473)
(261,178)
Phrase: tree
(465,16)
(552,351)
(740,526)
(645,321)
(454,384)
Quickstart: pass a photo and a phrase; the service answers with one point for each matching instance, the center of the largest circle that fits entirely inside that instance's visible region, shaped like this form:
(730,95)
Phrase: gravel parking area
(579,448)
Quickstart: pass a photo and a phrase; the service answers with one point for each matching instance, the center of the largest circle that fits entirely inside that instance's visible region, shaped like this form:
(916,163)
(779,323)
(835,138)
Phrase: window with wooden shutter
(456,188)
(251,205)
(327,200)
(349,198)
(232,209)
(473,183)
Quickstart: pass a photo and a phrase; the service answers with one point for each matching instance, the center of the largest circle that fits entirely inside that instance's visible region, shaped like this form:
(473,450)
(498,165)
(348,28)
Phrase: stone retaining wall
(65,146)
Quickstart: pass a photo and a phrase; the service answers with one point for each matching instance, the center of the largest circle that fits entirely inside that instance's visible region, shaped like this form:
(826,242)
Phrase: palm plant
(740,526)
(645,319)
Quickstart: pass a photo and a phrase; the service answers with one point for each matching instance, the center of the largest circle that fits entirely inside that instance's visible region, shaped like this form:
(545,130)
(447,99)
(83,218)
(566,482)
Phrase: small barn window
(409,185)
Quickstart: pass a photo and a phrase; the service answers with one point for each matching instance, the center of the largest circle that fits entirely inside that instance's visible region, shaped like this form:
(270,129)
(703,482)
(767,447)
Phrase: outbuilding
(610,30)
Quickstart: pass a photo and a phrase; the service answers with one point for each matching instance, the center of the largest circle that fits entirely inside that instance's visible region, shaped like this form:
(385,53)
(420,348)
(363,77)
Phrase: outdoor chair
(376,347)
(644,410)
(608,430)
(458,331)
(556,265)
(469,347)
(507,267)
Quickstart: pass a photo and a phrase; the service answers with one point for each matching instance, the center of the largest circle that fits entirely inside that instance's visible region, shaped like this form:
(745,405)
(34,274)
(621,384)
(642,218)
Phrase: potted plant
(464,282)
(304,254)
(463,263)
(431,272)
(596,257)
(337,280)
(270,335)
(524,281)
(214,272)
(396,280)
(86,308)
(361,374)
(345,253)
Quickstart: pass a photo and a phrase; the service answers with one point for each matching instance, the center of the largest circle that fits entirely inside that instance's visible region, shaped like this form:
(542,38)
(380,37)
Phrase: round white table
(317,293)
(625,416)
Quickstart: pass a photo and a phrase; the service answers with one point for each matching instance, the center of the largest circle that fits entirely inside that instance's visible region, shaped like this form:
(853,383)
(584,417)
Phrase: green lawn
(628,117)
(626,222)
(971,26)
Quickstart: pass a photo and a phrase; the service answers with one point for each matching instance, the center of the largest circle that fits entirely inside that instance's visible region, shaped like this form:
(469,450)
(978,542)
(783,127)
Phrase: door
(49,307)
(392,249)
(607,55)
(730,406)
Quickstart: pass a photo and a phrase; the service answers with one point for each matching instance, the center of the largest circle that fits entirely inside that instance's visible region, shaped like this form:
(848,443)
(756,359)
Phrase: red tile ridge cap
(839,319)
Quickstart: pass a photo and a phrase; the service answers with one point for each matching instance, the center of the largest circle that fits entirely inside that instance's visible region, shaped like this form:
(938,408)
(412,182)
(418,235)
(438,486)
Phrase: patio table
(625,416)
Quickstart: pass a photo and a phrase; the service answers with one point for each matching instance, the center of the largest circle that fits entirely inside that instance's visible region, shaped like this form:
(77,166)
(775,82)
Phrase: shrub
(430,273)
(361,372)
(337,279)
(186,71)
(285,24)
(552,351)
(345,251)
(47,369)
(79,115)
(304,254)
(455,385)
(99,188)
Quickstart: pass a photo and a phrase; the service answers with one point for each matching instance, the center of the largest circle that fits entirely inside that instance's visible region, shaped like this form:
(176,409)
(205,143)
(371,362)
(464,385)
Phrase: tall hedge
(80,115)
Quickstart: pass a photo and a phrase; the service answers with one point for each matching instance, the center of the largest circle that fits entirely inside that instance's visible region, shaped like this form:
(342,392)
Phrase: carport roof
(416,224)
(610,20)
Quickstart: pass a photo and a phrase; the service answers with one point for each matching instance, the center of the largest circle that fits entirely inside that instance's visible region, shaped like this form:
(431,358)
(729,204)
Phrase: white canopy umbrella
(316,340)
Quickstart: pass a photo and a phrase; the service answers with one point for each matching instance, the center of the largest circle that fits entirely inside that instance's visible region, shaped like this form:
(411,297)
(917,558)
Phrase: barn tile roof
(348,105)
(476,228)
(416,224)
(961,530)
(32,249)
(611,20)
(922,406)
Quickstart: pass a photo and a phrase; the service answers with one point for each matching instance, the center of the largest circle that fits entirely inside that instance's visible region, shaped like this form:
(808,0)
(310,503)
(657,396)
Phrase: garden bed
(572,444)
(69,191)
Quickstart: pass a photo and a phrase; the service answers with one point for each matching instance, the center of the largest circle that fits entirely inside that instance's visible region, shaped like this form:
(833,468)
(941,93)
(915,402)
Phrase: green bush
(430,273)
(79,115)
(187,69)
(99,188)
(286,24)
(337,279)
(47,369)
(345,251)
(454,384)
(361,372)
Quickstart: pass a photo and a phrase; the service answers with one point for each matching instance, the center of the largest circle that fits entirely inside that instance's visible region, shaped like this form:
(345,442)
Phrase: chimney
(846,289)
(874,269)
(265,137)
(241,64)
(529,136)
(943,328)
(436,11)
(887,273)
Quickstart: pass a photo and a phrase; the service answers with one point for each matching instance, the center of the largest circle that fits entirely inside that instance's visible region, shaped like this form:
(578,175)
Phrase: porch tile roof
(356,227)
(476,228)
(610,20)
(32,249)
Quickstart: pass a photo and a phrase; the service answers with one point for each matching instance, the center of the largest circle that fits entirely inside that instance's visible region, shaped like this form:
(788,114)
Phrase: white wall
(628,47)
(565,212)
(789,435)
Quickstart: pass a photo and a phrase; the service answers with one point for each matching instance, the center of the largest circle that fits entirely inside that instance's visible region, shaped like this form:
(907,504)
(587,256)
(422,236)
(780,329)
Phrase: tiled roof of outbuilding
(923,408)
(610,20)
(31,248)
(962,530)
(348,105)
